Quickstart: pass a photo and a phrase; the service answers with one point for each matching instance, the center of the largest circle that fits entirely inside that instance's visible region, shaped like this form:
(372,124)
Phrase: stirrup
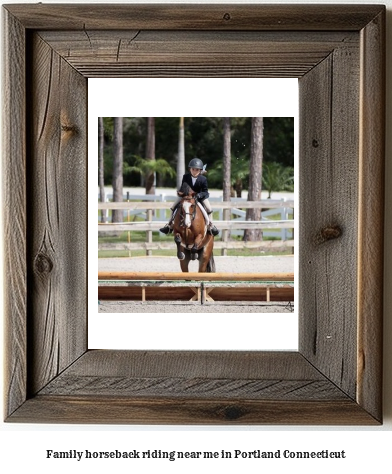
(166,229)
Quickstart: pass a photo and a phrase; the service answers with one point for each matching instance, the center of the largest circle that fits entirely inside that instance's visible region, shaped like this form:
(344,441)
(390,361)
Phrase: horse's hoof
(181,256)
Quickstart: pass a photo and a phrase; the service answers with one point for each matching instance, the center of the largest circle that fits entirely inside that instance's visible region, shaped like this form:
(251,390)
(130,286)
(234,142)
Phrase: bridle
(183,212)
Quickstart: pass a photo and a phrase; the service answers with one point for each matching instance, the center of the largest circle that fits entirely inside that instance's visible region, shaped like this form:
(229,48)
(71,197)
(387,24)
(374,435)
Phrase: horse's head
(186,192)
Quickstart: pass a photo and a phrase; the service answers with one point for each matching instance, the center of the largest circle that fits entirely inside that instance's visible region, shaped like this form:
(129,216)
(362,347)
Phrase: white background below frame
(189,98)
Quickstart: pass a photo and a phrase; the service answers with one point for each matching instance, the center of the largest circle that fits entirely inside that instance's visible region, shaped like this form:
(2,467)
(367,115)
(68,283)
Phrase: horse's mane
(185,190)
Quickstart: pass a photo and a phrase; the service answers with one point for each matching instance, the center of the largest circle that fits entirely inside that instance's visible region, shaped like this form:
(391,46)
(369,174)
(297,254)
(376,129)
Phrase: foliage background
(204,139)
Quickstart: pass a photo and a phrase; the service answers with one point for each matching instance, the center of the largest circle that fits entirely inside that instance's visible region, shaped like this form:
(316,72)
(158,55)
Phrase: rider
(199,185)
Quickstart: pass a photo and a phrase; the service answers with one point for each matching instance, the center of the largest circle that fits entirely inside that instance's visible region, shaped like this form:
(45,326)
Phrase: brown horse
(190,233)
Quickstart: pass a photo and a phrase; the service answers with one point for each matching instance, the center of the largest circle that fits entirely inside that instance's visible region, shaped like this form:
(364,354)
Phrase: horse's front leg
(196,247)
(180,253)
(184,264)
(206,255)
(194,253)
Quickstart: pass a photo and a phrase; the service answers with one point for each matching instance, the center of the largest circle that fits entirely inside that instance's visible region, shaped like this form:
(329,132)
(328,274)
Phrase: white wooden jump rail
(199,287)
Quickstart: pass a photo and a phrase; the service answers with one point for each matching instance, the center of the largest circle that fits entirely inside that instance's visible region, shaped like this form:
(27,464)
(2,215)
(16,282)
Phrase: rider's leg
(214,231)
(169,226)
(207,205)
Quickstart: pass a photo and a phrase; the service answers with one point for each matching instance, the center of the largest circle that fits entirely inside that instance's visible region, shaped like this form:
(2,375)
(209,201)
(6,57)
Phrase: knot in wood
(315,143)
(328,233)
(227,16)
(232,412)
(69,128)
(43,264)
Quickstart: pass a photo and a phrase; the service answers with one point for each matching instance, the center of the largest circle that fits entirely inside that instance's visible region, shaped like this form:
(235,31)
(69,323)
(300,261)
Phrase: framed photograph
(337,53)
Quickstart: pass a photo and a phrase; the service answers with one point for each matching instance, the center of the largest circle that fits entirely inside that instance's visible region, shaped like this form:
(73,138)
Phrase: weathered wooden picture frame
(337,53)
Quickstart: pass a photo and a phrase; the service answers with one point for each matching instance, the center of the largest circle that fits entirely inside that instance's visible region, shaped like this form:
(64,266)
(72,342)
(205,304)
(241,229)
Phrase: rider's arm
(204,194)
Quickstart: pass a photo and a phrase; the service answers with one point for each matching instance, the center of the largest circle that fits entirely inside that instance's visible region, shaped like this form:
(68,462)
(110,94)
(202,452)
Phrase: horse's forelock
(185,190)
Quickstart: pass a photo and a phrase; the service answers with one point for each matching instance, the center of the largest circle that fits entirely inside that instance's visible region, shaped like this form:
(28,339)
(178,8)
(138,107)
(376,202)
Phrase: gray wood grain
(192,17)
(209,364)
(195,53)
(187,387)
(57,209)
(155,411)
(329,200)
(14,214)
(371,216)
(206,374)
(333,379)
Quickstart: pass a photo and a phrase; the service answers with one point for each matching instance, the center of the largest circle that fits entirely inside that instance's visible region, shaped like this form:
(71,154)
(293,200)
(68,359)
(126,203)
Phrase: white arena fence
(152,211)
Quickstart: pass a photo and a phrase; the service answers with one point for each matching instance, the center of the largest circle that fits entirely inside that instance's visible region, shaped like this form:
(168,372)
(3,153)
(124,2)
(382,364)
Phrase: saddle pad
(204,213)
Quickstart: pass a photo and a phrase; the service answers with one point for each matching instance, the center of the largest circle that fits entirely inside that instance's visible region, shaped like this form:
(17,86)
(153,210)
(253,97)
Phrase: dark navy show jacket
(200,187)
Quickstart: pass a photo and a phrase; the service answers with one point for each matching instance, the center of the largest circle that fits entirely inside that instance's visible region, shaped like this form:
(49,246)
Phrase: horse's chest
(188,239)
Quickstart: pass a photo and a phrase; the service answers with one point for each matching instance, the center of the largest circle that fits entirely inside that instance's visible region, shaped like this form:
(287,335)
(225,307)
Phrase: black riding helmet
(196,163)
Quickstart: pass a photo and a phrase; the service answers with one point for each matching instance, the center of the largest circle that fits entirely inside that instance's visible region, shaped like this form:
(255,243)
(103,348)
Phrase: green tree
(279,140)
(145,167)
(277,177)
(238,178)
(204,139)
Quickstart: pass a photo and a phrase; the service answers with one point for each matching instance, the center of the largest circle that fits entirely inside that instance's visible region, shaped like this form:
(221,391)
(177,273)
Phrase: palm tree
(148,167)
(277,177)
(239,173)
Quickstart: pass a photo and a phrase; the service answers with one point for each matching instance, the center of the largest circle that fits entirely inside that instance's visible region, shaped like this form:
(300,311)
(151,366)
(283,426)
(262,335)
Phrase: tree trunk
(150,154)
(226,159)
(226,173)
(181,154)
(101,182)
(254,190)
(238,187)
(117,214)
